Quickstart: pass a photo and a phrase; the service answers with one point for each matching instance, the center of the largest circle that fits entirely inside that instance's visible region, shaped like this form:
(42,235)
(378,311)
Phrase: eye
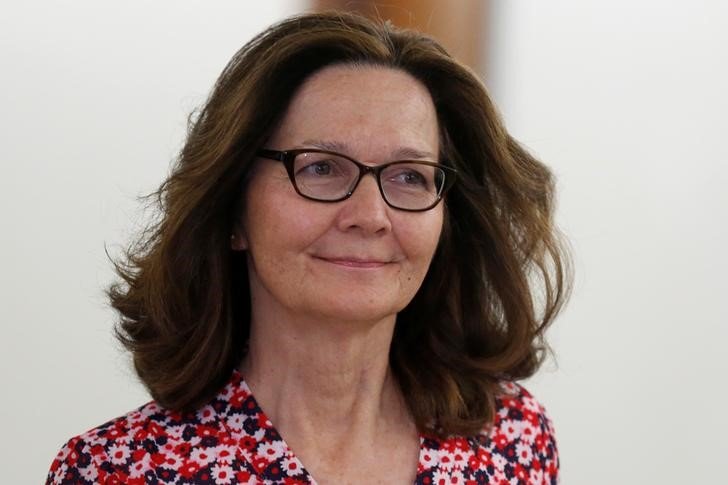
(413,178)
(319,168)
(408,177)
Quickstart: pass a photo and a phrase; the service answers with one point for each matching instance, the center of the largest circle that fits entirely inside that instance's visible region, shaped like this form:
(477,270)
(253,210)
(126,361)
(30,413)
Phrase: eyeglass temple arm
(273,154)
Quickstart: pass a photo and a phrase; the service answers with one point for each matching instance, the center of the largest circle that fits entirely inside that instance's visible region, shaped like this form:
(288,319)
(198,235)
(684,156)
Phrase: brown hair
(498,278)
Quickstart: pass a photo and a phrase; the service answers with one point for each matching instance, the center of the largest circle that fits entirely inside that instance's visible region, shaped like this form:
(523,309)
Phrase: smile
(356,263)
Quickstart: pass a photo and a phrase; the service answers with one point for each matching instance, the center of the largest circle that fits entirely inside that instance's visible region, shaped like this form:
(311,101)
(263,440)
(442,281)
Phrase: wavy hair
(498,278)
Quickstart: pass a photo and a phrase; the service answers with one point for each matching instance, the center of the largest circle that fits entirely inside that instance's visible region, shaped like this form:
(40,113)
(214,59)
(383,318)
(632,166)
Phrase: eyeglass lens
(408,185)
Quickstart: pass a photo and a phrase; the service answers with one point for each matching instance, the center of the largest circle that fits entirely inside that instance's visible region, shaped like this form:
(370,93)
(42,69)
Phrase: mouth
(353,262)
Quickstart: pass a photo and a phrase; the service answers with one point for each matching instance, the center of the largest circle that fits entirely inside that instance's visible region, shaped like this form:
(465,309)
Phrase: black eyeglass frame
(287,157)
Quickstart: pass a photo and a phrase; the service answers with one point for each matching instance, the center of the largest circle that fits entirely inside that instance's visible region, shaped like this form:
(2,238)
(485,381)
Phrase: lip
(352,262)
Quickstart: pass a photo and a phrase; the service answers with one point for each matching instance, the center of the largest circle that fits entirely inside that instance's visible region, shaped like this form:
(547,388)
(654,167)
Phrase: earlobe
(238,242)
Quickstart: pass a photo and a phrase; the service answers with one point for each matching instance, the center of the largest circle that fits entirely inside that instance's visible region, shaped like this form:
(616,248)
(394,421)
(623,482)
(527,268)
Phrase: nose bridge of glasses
(372,170)
(368,169)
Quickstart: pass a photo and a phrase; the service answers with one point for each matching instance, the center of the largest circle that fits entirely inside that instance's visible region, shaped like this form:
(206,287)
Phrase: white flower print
(528,433)
(511,429)
(172,461)
(235,421)
(225,454)
(118,454)
(175,432)
(223,474)
(530,404)
(206,414)
(259,434)
(440,478)
(291,466)
(524,454)
(446,460)
(535,476)
(427,459)
(202,456)
(499,461)
(271,450)
(139,467)
(226,393)
(456,477)
(460,459)
(89,473)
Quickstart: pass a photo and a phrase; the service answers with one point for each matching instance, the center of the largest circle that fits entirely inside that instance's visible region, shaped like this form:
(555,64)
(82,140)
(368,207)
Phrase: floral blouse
(230,440)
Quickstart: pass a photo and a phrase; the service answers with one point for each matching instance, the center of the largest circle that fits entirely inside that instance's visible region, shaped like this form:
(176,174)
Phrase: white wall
(628,102)
(94,101)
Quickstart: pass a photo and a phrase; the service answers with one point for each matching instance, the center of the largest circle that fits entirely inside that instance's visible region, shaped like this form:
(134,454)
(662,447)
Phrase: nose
(365,210)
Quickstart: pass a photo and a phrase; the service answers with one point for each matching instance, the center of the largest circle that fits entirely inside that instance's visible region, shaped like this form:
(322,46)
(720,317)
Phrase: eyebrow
(402,153)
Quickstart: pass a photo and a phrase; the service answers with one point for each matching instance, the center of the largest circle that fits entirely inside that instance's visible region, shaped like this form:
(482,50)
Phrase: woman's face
(357,259)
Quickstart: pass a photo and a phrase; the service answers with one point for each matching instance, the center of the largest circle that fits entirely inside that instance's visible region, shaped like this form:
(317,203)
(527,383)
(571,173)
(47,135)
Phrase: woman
(340,288)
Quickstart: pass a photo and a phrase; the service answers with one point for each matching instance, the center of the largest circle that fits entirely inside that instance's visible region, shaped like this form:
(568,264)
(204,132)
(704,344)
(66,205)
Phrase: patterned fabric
(230,440)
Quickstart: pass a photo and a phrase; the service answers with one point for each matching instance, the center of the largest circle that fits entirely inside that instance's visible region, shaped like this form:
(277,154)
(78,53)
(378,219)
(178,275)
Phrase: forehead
(365,108)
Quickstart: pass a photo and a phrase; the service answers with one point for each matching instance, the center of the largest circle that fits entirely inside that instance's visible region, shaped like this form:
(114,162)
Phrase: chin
(366,302)
(358,310)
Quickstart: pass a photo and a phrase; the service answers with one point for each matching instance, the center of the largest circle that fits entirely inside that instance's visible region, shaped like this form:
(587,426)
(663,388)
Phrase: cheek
(280,230)
(265,212)
(419,239)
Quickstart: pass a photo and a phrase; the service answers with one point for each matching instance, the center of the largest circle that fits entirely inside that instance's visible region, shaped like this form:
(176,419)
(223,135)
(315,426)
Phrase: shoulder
(85,458)
(521,440)
(517,408)
(127,449)
(519,446)
(156,445)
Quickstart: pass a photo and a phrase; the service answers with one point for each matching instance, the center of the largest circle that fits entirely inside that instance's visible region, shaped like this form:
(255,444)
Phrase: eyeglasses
(327,176)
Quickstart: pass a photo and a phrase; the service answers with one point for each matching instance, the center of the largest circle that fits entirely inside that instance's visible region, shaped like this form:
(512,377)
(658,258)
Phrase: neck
(315,378)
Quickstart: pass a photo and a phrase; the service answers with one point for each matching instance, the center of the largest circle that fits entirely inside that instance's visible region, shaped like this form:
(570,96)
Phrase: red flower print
(260,464)
(237,399)
(501,441)
(189,469)
(248,443)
